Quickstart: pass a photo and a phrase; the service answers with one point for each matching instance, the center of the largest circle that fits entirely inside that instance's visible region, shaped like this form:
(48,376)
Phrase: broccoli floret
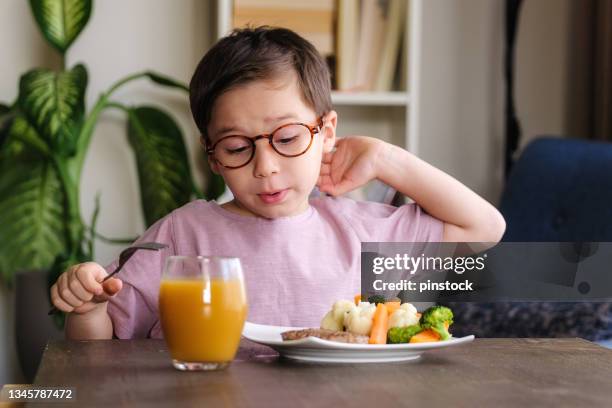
(437,318)
(376,299)
(402,334)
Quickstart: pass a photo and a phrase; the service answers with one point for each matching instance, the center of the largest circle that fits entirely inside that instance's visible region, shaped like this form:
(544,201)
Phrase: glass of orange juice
(202,307)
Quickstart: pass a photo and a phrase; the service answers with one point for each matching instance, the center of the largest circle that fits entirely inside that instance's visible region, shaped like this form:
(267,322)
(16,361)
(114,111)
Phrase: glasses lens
(234,151)
(291,140)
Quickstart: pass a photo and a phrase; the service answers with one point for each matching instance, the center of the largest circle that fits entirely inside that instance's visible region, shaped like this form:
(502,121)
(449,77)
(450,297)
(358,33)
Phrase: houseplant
(44,137)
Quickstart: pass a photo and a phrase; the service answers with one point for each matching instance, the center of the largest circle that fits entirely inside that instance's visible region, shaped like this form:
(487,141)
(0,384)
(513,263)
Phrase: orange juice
(202,325)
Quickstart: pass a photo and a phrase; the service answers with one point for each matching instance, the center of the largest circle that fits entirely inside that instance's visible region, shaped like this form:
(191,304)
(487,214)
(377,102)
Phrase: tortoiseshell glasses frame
(270,136)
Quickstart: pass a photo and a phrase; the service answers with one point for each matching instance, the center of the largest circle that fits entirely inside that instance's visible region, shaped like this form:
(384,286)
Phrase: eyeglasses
(290,140)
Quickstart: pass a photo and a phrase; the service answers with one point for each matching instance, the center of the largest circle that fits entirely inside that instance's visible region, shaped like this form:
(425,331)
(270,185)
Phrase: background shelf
(371,98)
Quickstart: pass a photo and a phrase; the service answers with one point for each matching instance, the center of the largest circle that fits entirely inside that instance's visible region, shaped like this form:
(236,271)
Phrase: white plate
(319,350)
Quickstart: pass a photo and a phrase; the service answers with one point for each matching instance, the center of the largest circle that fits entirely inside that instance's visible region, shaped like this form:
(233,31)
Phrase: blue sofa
(559,190)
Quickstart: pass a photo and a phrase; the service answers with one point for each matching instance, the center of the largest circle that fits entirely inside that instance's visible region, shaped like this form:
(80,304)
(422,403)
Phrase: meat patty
(340,336)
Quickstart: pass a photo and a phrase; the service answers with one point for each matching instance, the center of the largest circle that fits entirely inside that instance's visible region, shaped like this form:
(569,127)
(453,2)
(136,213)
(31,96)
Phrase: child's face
(261,107)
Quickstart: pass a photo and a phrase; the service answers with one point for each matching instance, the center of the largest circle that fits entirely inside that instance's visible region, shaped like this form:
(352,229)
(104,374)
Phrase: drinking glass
(202,307)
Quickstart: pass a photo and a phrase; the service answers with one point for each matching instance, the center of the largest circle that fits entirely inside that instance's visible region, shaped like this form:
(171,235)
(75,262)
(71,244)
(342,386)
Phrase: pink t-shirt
(295,267)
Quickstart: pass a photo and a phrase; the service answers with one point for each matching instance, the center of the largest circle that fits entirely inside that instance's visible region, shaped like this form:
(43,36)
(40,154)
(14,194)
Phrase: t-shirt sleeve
(377,222)
(134,310)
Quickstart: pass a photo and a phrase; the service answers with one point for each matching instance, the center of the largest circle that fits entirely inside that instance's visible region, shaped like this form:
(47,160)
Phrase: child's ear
(213,164)
(330,121)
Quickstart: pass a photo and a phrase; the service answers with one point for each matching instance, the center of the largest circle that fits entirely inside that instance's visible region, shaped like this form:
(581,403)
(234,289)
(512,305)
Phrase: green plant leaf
(61,21)
(161,157)
(54,104)
(215,187)
(21,139)
(5,111)
(166,81)
(6,118)
(32,229)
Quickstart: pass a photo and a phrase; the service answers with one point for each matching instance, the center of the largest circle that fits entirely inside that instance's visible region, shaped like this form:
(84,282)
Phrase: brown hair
(252,54)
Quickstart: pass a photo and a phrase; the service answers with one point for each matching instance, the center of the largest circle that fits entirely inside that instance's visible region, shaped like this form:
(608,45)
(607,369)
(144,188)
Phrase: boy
(261,100)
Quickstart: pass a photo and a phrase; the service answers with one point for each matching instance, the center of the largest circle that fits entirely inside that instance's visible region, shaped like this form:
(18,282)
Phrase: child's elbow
(488,229)
(495,227)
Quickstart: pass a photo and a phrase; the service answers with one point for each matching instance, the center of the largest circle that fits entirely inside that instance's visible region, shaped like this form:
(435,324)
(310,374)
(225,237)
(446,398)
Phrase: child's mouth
(273,198)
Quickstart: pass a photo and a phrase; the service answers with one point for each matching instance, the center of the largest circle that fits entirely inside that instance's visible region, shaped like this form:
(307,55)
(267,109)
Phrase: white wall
(542,68)
(462,84)
(461,101)
(22,47)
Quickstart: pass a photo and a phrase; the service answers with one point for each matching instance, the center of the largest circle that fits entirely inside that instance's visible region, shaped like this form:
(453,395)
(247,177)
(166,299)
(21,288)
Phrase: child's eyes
(237,150)
(286,140)
(234,145)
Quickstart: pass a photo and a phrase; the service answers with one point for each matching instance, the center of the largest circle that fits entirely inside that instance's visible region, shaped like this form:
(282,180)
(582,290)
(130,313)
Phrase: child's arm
(79,292)
(467,217)
(93,325)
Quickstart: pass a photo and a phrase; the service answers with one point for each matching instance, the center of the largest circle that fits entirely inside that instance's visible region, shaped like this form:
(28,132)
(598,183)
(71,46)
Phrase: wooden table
(487,372)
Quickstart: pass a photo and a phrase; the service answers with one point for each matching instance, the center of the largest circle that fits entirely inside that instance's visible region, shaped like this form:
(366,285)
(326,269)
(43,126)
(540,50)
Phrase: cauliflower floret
(359,320)
(334,319)
(330,323)
(405,315)
(341,308)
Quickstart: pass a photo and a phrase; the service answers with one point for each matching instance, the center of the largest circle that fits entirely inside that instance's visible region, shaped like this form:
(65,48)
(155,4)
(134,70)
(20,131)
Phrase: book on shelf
(371,35)
(361,40)
(312,19)
(401,78)
(396,18)
(347,39)
(368,41)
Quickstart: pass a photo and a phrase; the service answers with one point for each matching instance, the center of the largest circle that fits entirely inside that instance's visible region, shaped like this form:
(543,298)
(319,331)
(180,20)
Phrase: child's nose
(265,160)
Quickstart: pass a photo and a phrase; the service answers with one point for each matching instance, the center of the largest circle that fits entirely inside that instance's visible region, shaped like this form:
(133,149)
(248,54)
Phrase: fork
(123,258)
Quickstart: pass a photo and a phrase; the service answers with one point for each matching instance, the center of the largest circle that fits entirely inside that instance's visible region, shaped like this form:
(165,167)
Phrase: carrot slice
(425,336)
(392,307)
(378,334)
(357,299)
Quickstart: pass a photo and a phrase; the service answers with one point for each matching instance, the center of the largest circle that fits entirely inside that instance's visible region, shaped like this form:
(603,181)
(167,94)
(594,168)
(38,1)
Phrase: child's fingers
(66,293)
(338,189)
(89,274)
(78,290)
(320,185)
(111,288)
(79,283)
(58,302)
(325,169)
(327,157)
(323,182)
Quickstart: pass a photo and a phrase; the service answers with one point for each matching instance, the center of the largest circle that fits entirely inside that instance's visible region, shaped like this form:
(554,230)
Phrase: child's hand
(79,289)
(351,165)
